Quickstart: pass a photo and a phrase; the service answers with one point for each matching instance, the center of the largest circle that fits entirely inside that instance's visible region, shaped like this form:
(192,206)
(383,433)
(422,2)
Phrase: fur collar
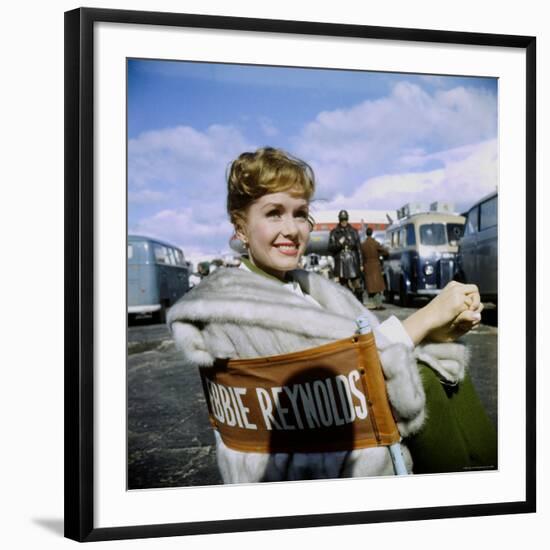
(231,295)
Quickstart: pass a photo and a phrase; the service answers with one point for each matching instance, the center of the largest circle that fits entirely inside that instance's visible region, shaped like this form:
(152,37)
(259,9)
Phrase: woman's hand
(452,313)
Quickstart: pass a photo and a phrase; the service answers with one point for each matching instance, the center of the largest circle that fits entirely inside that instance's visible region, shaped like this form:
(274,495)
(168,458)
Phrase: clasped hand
(452,313)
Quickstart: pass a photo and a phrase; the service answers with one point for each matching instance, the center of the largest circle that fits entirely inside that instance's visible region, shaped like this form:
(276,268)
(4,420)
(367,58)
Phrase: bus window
(180,260)
(136,251)
(160,254)
(433,234)
(171,256)
(488,214)
(411,237)
(403,237)
(471,222)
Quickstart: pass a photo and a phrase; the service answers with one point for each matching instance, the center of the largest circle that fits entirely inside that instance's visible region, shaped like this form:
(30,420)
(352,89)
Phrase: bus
(422,246)
(158,275)
(478,248)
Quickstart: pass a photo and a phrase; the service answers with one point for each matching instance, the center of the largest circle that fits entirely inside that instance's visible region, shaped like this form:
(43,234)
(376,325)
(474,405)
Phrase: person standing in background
(344,245)
(372,250)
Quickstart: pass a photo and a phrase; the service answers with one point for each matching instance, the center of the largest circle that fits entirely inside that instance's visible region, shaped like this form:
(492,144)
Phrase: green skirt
(457,435)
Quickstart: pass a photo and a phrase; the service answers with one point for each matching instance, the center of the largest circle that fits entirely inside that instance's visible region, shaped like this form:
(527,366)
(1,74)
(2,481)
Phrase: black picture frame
(79,272)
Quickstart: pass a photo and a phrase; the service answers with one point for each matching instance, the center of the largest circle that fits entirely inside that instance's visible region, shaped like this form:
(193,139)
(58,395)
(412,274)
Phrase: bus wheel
(404,298)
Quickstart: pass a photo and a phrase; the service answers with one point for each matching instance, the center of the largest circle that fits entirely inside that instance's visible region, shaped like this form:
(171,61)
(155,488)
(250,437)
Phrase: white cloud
(467,174)
(188,228)
(183,169)
(386,135)
(191,160)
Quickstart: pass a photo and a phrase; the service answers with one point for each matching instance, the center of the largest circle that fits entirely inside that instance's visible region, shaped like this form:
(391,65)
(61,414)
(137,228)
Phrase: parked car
(158,275)
(478,248)
(422,253)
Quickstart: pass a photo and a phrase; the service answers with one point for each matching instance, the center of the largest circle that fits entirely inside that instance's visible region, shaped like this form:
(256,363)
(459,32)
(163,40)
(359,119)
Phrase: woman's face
(276,232)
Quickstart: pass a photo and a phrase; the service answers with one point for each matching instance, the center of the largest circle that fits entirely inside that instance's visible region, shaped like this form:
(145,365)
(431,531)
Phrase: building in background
(326,220)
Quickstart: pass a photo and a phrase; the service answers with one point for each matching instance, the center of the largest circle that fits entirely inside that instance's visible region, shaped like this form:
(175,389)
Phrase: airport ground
(170,442)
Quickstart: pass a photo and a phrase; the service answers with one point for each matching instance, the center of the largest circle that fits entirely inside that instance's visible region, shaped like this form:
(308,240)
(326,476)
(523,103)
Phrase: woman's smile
(288,249)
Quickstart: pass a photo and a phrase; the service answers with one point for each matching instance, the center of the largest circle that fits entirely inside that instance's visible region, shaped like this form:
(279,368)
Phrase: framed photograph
(422,141)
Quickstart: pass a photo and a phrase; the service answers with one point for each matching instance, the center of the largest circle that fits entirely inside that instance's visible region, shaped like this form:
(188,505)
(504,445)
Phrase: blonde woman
(268,307)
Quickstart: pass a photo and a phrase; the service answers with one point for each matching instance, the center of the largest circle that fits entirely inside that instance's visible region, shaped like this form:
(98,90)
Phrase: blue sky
(374,140)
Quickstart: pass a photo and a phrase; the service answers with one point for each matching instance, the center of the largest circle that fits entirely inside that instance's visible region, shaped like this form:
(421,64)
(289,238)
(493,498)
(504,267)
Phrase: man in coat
(345,247)
(372,250)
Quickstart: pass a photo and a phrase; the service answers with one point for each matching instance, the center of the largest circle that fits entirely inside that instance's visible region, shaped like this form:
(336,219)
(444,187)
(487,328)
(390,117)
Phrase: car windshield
(433,234)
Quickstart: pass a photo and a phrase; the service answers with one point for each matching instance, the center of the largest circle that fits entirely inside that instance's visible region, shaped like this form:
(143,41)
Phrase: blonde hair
(267,170)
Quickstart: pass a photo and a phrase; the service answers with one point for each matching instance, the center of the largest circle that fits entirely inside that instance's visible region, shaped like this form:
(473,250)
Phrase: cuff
(390,332)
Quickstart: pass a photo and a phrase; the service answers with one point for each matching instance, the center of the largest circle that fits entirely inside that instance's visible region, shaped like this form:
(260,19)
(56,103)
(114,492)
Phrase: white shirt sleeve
(391,331)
